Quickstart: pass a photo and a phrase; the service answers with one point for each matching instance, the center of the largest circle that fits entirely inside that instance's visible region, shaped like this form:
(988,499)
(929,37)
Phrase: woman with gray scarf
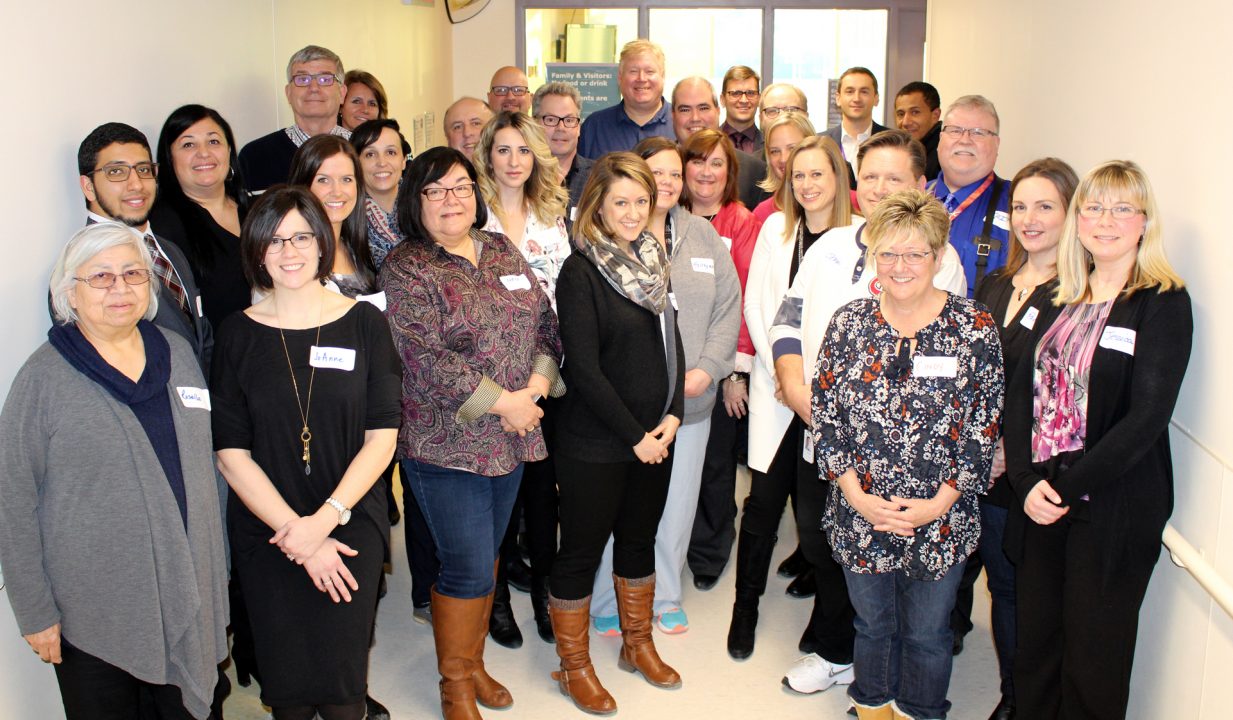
(105,442)
(625,371)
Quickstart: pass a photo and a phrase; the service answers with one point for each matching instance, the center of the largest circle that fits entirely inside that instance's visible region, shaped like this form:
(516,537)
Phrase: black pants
(624,500)
(537,504)
(769,491)
(832,618)
(1076,632)
(710,544)
(93,689)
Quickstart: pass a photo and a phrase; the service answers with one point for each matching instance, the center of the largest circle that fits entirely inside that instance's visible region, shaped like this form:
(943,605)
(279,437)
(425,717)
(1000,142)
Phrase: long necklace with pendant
(306,435)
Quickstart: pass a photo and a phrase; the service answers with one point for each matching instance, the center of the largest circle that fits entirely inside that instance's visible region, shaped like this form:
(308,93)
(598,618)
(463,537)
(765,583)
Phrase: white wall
(481,45)
(1138,79)
(64,80)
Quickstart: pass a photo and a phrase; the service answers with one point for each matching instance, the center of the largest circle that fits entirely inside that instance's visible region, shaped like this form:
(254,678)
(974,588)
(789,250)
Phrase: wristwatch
(344,512)
(736,377)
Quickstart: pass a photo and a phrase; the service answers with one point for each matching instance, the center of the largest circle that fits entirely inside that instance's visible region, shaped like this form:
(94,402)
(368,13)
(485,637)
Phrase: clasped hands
(519,410)
(306,541)
(653,448)
(899,515)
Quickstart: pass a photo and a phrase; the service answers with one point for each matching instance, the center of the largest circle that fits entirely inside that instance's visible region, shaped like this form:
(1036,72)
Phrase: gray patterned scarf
(643,281)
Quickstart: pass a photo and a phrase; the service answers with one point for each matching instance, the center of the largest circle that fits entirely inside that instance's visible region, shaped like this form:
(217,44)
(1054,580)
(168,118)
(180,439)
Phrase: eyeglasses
(299,241)
(957,132)
(738,94)
(106,280)
(437,194)
(503,90)
(569,121)
(1094,211)
(322,79)
(773,112)
(119,172)
(911,258)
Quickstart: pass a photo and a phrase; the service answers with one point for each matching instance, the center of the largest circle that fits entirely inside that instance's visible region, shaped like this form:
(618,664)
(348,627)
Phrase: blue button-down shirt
(971,222)
(611,130)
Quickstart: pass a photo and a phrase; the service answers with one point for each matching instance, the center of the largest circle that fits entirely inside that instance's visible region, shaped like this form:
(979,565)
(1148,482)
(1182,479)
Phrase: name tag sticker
(377,299)
(1029,318)
(573,213)
(515,282)
(703,265)
(1001,219)
(727,242)
(938,366)
(1120,339)
(332,358)
(672,299)
(193,397)
(199,311)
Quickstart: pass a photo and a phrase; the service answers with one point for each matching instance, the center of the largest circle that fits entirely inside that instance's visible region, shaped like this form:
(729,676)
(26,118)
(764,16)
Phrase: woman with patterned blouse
(907,399)
(518,181)
(479,345)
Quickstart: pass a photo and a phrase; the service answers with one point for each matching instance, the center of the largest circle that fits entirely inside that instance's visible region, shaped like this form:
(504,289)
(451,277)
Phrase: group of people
(563,335)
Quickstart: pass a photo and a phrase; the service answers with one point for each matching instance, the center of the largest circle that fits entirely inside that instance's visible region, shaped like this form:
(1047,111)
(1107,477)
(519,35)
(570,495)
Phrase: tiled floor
(403,671)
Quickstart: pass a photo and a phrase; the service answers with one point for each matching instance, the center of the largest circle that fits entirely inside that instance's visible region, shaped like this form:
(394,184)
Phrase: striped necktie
(166,273)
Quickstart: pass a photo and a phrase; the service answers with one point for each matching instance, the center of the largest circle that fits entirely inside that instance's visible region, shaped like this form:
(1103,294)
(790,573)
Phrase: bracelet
(736,378)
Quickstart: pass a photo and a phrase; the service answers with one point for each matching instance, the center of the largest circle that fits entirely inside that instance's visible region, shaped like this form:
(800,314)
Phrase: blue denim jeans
(1000,576)
(903,641)
(467,515)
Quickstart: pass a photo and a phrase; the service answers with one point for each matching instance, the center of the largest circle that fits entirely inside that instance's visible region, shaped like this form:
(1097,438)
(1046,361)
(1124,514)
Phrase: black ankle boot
(753,563)
(793,565)
(501,625)
(539,605)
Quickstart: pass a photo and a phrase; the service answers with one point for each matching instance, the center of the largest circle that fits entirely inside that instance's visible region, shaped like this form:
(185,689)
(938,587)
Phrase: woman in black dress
(200,185)
(1016,295)
(306,409)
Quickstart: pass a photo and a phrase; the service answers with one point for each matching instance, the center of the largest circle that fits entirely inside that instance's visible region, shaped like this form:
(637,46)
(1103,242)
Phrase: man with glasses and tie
(740,98)
(976,198)
(118,180)
(315,91)
(507,92)
(557,106)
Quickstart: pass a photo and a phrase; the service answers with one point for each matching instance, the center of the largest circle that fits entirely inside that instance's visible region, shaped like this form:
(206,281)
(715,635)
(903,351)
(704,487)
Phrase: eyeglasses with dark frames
(299,241)
(119,172)
(503,90)
(569,121)
(437,194)
(322,79)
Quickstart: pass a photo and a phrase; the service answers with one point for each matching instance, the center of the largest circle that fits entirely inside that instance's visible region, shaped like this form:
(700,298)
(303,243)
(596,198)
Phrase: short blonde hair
(841,206)
(1125,180)
(641,46)
(542,193)
(907,213)
(80,249)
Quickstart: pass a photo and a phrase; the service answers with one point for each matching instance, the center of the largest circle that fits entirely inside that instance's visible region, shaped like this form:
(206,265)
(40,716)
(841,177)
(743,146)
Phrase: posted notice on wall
(596,81)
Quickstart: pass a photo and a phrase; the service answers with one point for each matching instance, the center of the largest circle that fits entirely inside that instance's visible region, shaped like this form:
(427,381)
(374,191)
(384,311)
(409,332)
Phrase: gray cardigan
(708,298)
(90,533)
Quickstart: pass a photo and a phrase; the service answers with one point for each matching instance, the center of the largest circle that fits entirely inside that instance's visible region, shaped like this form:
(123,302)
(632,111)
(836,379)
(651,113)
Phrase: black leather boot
(539,605)
(502,627)
(753,563)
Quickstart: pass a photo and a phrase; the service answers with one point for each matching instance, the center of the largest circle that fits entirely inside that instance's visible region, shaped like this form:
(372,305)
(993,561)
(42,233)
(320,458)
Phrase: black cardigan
(1126,467)
(615,369)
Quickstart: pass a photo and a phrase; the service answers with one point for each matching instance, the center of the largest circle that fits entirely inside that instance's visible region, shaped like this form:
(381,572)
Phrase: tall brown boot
(456,625)
(571,621)
(489,692)
(635,601)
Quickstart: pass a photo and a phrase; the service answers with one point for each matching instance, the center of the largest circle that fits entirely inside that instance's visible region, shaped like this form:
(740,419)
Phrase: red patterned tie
(166,273)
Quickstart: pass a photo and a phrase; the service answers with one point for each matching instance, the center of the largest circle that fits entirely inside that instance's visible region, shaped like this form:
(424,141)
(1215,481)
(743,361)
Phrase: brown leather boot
(571,621)
(635,600)
(456,625)
(489,692)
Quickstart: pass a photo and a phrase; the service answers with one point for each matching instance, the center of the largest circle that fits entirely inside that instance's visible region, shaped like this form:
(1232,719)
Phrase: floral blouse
(1060,379)
(545,247)
(936,423)
(464,333)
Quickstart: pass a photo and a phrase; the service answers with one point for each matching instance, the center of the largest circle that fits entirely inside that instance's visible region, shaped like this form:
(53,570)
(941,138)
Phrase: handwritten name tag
(1001,219)
(515,282)
(376,299)
(332,358)
(936,366)
(1029,318)
(193,397)
(703,265)
(1117,338)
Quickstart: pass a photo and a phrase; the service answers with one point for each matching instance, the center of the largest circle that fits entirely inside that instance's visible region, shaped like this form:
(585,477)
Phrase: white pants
(675,527)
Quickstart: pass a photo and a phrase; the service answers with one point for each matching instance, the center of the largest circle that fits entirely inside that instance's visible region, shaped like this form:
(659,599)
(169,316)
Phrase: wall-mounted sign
(597,82)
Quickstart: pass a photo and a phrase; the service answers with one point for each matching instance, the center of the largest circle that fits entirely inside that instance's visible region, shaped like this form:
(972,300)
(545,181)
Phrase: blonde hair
(907,213)
(542,193)
(641,46)
(841,206)
(800,121)
(590,226)
(1125,180)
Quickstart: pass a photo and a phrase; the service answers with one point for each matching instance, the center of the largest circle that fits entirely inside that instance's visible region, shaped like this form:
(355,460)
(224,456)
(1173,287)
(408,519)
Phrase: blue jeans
(903,640)
(1000,576)
(467,515)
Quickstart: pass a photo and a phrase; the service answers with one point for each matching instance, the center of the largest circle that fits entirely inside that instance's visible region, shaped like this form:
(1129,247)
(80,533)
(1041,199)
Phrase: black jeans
(831,622)
(624,500)
(710,544)
(94,689)
(769,491)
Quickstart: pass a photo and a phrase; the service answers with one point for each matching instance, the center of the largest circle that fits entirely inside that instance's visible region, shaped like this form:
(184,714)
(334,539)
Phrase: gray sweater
(90,533)
(708,298)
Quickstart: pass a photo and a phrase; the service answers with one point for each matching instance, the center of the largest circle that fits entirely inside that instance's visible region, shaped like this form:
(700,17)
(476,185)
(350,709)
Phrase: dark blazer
(575,180)
(1125,468)
(836,133)
(750,171)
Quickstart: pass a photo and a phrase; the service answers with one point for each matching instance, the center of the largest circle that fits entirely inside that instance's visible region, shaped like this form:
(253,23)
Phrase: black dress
(213,254)
(309,650)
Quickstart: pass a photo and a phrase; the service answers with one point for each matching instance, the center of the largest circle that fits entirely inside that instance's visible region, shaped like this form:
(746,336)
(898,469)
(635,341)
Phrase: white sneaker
(812,674)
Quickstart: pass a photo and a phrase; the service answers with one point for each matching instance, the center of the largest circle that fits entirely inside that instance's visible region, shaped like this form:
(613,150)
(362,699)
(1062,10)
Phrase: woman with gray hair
(105,441)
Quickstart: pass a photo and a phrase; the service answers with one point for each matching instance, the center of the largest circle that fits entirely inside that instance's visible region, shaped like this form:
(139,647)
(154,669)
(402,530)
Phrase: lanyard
(859,268)
(971,198)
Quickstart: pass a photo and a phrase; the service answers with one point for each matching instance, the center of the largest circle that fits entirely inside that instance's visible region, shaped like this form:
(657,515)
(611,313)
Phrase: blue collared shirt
(971,222)
(611,130)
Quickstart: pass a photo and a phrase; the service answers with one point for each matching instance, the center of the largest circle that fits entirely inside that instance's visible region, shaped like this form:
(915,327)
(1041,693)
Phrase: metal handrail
(1185,556)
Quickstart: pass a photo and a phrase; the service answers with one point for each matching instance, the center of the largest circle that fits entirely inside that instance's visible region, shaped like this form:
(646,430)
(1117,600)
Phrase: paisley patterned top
(464,333)
(936,423)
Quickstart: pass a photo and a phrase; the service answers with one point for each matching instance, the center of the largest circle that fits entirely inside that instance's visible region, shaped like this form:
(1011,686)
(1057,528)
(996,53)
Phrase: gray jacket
(707,292)
(90,533)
